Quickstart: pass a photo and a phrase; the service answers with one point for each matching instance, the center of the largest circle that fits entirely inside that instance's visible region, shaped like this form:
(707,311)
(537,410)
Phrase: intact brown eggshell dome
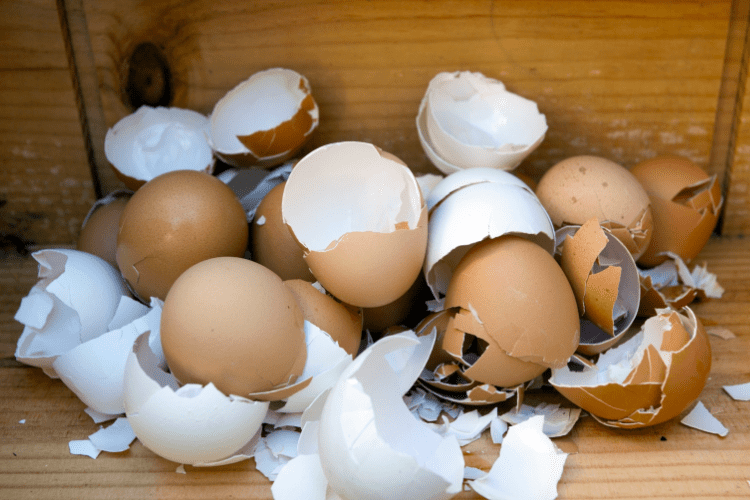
(582,187)
(273,244)
(173,222)
(686,203)
(517,314)
(232,322)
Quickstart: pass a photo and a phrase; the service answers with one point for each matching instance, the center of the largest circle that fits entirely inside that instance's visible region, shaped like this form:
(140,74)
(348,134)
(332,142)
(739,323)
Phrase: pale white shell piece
(473,121)
(427,182)
(702,419)
(252,184)
(557,421)
(74,301)
(739,392)
(528,468)
(424,139)
(192,424)
(274,451)
(463,178)
(153,141)
(468,427)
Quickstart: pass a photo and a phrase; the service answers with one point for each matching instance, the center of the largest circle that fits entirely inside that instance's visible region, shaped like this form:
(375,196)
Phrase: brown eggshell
(174,221)
(377,319)
(686,203)
(581,187)
(272,244)
(516,299)
(343,323)
(232,322)
(98,235)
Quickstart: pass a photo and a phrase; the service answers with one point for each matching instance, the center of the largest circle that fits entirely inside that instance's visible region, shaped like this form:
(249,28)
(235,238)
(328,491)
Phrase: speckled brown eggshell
(173,222)
(232,322)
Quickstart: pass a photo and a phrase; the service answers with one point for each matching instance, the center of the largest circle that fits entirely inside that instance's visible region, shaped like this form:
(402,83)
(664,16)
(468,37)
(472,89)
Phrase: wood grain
(665,461)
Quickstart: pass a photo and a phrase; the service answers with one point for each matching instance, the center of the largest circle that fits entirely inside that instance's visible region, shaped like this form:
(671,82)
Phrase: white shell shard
(468,427)
(153,141)
(74,301)
(274,451)
(192,424)
(370,445)
(114,439)
(702,419)
(739,392)
(474,207)
(252,184)
(473,121)
(301,479)
(557,421)
(529,466)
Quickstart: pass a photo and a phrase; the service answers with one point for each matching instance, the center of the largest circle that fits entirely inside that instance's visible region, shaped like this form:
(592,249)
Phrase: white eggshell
(191,424)
(463,178)
(429,149)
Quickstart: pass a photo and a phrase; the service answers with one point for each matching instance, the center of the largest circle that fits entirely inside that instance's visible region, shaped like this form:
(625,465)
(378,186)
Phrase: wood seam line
(731,95)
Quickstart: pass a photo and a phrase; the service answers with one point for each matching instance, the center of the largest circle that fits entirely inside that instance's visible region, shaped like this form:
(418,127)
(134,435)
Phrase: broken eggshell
(192,424)
(359,215)
(474,205)
(153,141)
(98,233)
(605,281)
(264,120)
(648,379)
(473,121)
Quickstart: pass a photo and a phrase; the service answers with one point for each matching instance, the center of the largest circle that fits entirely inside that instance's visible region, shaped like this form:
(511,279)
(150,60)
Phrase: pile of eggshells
(217,312)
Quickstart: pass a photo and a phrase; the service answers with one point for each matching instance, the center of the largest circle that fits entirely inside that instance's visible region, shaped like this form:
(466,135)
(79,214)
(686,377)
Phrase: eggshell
(647,379)
(232,322)
(264,120)
(273,244)
(473,121)
(518,315)
(473,205)
(343,323)
(357,211)
(191,424)
(174,221)
(153,141)
(252,184)
(401,310)
(98,234)
(581,187)
(686,203)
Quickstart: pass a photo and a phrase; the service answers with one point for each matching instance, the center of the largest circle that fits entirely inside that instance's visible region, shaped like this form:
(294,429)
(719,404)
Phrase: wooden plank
(45,182)
(622,79)
(660,462)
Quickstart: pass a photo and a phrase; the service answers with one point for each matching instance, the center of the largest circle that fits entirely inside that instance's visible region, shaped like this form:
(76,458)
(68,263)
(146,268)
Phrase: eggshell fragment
(357,211)
(98,234)
(153,141)
(473,121)
(189,424)
(252,184)
(702,419)
(264,120)
(646,380)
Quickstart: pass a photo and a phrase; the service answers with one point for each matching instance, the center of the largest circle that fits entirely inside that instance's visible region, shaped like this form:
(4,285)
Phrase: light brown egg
(232,322)
(273,244)
(581,187)
(173,222)
(98,235)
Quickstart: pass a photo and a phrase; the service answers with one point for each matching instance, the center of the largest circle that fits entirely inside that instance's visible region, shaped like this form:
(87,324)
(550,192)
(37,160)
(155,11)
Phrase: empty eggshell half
(359,215)
(605,280)
(192,424)
(648,379)
(474,205)
(264,120)
(153,141)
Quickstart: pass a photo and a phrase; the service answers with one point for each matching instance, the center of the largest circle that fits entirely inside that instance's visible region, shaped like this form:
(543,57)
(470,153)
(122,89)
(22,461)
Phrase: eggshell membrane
(231,322)
(668,364)
(264,120)
(357,211)
(174,221)
(98,234)
(581,187)
(686,203)
(527,331)
(343,323)
(189,424)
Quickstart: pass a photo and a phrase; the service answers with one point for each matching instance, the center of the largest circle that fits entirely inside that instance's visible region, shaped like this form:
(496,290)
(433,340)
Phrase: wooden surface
(665,461)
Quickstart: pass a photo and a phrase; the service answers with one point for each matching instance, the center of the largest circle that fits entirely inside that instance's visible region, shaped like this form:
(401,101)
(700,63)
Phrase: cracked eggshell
(98,233)
(264,120)
(474,205)
(473,121)
(517,314)
(648,379)
(153,141)
(686,203)
(174,221)
(370,445)
(232,322)
(360,217)
(581,187)
(605,281)
(192,424)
